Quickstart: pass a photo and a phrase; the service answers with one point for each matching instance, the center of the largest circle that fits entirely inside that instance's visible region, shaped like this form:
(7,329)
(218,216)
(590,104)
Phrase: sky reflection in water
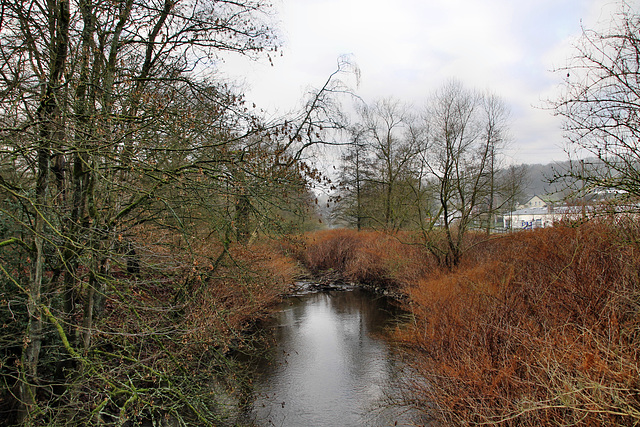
(329,367)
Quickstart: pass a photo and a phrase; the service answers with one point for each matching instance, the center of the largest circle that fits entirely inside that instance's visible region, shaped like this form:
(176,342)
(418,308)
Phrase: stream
(329,364)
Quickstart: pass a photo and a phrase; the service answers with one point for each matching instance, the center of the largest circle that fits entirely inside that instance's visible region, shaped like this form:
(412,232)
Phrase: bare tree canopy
(439,172)
(126,169)
(465,135)
(601,105)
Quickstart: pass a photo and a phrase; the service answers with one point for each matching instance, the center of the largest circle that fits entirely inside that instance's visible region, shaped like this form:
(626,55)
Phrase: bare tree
(463,139)
(110,134)
(600,106)
(495,135)
(513,181)
(355,172)
(393,152)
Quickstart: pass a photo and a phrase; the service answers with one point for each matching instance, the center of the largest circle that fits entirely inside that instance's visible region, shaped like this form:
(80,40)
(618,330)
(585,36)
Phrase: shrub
(534,328)
(374,258)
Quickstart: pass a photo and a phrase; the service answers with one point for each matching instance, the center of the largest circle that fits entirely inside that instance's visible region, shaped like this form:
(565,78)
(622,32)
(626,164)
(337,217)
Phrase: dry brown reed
(535,328)
(199,304)
(241,290)
(388,261)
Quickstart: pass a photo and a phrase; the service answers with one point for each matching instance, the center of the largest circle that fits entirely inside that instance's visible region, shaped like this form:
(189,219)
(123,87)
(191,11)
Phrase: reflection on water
(328,368)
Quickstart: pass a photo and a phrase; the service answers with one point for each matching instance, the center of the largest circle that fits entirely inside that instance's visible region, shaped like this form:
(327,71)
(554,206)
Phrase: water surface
(329,365)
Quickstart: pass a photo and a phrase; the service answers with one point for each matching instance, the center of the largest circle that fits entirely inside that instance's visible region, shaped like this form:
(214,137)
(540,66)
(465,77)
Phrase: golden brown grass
(532,328)
(240,291)
(536,328)
(385,260)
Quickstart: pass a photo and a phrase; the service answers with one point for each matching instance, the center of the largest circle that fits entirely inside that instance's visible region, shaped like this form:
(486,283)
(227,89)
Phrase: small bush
(373,258)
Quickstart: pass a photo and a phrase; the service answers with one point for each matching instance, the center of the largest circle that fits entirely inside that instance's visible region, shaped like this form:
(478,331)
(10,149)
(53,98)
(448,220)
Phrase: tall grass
(534,328)
(238,292)
(388,261)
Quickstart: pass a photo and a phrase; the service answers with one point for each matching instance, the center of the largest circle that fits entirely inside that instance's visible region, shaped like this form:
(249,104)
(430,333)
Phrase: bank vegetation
(532,328)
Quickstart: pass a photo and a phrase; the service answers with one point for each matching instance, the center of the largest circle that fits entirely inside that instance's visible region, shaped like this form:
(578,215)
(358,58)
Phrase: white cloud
(407,48)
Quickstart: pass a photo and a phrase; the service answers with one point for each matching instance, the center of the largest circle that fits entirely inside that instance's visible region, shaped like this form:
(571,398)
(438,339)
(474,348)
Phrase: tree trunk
(50,133)
(243,213)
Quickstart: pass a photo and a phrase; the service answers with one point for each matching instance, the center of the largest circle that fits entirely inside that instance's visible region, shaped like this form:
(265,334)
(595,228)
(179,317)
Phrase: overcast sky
(408,48)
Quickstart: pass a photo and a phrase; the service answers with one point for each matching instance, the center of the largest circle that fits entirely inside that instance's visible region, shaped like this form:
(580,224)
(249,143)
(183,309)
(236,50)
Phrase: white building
(528,218)
(534,202)
(538,213)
